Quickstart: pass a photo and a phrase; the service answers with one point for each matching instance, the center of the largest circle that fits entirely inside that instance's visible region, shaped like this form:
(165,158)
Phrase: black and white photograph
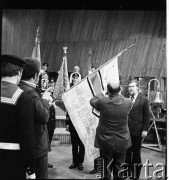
(84,89)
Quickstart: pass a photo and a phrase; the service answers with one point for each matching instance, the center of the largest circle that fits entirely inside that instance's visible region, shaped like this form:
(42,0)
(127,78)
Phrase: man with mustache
(139,118)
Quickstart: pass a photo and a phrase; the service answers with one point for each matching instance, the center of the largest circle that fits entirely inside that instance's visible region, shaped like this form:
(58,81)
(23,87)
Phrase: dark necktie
(132,98)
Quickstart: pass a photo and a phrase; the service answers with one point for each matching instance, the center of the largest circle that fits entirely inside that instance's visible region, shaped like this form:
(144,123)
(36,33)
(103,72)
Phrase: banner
(89,62)
(62,83)
(36,50)
(77,102)
(110,72)
(96,82)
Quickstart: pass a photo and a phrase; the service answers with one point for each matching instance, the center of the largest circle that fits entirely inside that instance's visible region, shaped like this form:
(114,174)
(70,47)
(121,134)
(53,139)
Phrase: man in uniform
(45,68)
(76,71)
(16,123)
(78,149)
(51,121)
(44,78)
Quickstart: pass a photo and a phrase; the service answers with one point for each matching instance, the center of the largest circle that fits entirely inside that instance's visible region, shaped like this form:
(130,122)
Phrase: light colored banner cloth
(77,102)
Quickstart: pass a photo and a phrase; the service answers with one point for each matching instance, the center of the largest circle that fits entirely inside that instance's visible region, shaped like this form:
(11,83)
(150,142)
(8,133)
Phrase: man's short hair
(113,90)
(11,65)
(31,68)
(134,81)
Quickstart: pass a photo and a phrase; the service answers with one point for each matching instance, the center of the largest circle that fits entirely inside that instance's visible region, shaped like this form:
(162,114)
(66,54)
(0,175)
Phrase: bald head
(113,87)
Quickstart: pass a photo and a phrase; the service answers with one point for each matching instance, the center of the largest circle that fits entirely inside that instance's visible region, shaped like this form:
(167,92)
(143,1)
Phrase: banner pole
(119,54)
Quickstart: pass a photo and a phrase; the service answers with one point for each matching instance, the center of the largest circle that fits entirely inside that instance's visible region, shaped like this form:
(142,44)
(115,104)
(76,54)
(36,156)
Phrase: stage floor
(61,158)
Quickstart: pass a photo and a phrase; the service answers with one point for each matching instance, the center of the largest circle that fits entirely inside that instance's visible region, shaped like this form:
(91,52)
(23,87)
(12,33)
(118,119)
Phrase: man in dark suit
(112,133)
(78,149)
(139,118)
(29,80)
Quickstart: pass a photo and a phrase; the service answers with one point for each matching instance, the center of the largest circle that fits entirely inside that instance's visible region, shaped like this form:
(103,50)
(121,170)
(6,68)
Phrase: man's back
(112,133)
(41,113)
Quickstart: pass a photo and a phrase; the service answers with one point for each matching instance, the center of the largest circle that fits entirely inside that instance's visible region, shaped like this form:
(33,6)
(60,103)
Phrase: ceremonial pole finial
(90,51)
(65,49)
(38,30)
(37,36)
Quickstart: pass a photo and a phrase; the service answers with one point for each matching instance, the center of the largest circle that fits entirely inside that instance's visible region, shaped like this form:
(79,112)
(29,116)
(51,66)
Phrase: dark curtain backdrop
(106,32)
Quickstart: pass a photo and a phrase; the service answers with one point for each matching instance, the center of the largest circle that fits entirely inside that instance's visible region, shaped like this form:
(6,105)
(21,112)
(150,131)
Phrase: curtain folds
(105,32)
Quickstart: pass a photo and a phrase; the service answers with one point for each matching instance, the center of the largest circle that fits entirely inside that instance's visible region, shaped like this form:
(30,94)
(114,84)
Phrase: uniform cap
(75,75)
(5,58)
(45,64)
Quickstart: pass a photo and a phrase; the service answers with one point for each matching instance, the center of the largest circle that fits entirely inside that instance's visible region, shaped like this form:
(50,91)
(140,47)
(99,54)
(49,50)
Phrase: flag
(77,103)
(89,62)
(96,82)
(62,83)
(110,72)
(36,49)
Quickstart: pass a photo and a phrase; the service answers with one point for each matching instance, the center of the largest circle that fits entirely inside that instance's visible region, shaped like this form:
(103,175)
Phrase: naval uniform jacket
(41,116)
(52,119)
(139,116)
(17,126)
(112,132)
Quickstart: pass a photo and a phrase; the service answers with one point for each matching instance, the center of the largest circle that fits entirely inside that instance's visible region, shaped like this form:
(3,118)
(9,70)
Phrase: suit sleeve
(146,115)
(27,146)
(42,111)
(94,102)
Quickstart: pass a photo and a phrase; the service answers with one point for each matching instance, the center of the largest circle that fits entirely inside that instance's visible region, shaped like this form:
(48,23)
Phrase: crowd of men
(26,135)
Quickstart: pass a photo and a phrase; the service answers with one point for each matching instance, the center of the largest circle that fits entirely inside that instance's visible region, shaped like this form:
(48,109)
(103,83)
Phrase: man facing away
(112,133)
(139,118)
(41,106)
(16,123)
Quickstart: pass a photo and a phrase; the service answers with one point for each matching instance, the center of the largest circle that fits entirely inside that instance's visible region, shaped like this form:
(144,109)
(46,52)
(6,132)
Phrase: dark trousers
(78,149)
(95,161)
(115,161)
(11,165)
(42,167)
(12,171)
(50,133)
(133,157)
